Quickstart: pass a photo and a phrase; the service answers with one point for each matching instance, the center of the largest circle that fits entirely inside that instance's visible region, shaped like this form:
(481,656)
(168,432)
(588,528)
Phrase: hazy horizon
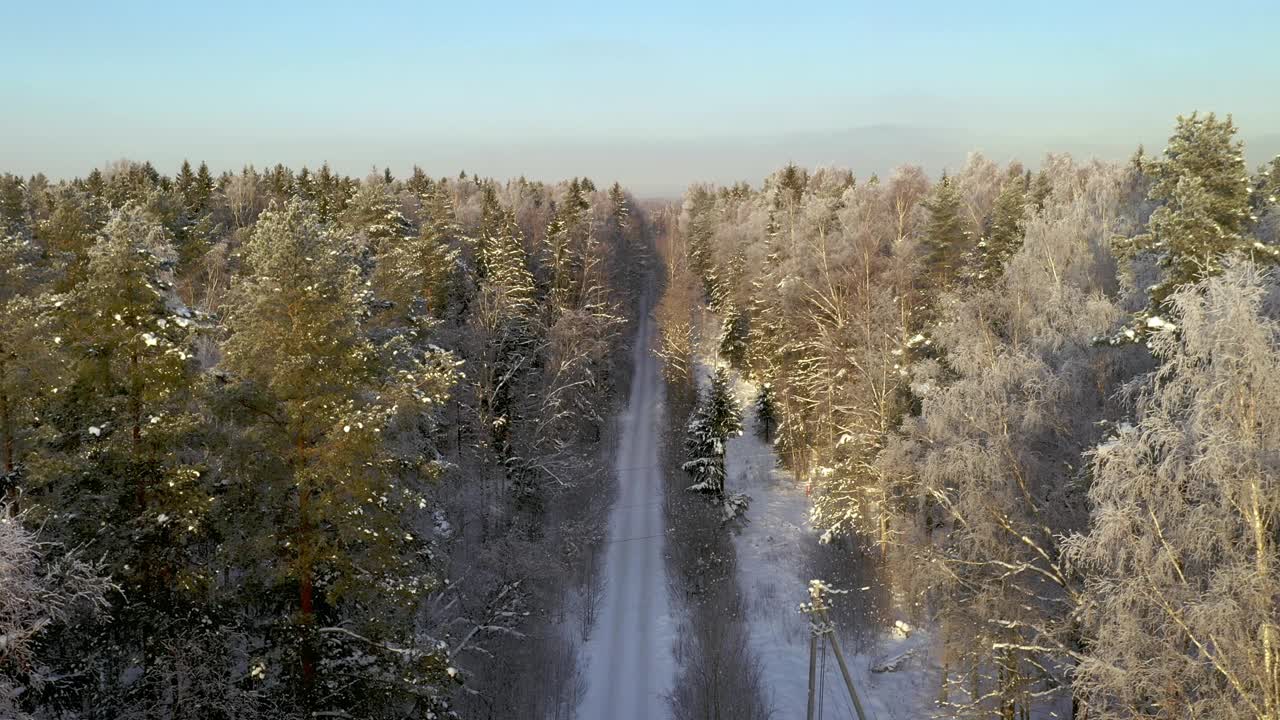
(655,97)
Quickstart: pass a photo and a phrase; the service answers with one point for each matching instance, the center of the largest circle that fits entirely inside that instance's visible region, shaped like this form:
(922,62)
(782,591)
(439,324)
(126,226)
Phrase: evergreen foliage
(766,412)
(945,235)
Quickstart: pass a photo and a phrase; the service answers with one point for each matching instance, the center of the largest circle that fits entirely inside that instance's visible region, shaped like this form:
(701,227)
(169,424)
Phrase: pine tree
(106,452)
(1204,187)
(338,502)
(374,218)
(131,368)
(27,364)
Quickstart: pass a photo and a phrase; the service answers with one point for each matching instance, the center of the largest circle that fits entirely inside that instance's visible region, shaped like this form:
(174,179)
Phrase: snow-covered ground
(628,658)
(775,558)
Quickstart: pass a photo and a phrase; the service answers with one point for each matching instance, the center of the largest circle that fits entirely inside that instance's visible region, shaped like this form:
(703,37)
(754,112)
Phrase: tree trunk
(135,410)
(306,589)
(10,493)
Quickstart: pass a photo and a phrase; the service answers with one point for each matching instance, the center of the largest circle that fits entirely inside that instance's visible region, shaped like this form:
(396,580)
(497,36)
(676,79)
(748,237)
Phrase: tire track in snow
(629,655)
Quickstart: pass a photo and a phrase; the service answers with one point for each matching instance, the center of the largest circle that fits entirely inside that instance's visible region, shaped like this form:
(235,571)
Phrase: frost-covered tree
(907,187)
(722,406)
(1181,559)
(414,275)
(715,418)
(699,224)
(979,485)
(676,335)
(41,586)
(734,329)
(704,447)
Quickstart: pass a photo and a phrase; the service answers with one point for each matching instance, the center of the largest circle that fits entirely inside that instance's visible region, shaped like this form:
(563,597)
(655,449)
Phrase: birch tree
(1181,555)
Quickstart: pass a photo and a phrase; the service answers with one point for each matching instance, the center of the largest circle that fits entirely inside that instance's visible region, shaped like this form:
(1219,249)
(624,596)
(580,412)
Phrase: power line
(657,466)
(622,540)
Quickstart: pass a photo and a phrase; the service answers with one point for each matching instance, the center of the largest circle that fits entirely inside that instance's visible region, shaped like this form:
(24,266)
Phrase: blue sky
(655,94)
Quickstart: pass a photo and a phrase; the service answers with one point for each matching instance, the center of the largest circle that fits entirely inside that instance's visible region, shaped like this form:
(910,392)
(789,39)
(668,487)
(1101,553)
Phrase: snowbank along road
(629,655)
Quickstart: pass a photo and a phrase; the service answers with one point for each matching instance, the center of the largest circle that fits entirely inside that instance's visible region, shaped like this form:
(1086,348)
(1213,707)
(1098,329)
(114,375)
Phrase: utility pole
(820,624)
(813,670)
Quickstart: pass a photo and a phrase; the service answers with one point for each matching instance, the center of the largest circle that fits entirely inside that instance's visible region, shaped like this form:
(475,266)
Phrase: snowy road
(629,655)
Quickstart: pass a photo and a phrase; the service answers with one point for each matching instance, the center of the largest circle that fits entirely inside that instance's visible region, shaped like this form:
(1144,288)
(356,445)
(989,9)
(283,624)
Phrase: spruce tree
(704,448)
(766,412)
(726,418)
(765,335)
(701,209)
(620,208)
(13,205)
(945,236)
(507,267)
(418,183)
(734,330)
(1038,189)
(414,274)
(713,420)
(185,183)
(201,190)
(1266,185)
(1008,220)
(557,252)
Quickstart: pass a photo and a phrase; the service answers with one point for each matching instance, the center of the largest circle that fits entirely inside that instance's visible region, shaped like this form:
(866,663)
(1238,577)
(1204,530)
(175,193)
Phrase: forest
(1045,402)
(290,444)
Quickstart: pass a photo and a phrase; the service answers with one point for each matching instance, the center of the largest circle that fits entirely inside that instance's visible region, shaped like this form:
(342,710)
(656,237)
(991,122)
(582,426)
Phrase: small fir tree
(766,412)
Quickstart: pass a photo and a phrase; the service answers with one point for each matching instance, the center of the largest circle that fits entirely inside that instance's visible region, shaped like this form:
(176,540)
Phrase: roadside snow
(775,559)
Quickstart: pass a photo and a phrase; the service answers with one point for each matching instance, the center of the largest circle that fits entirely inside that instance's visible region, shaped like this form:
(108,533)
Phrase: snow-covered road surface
(629,663)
